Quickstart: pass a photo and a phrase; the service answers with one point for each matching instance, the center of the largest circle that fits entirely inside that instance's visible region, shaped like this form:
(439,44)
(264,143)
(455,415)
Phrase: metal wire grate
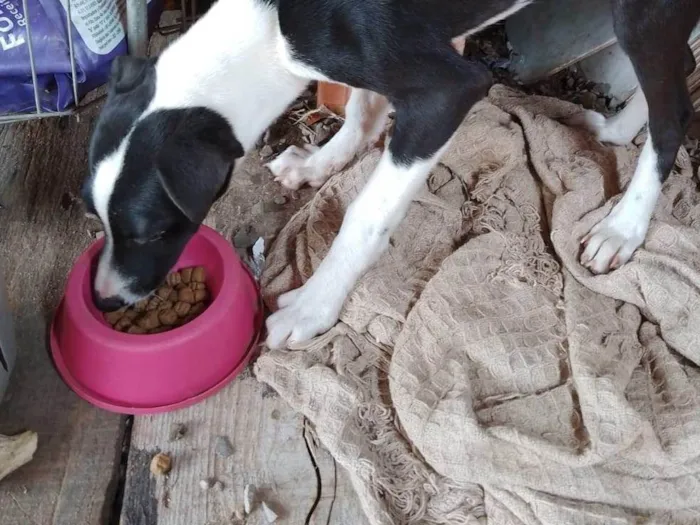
(137,41)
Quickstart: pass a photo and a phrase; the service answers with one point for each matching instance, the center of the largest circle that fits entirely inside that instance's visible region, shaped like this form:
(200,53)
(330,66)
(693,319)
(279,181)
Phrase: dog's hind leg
(619,129)
(655,39)
(365,117)
(429,107)
(624,126)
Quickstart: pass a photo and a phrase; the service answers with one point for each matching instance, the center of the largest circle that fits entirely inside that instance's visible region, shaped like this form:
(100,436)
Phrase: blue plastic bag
(99,36)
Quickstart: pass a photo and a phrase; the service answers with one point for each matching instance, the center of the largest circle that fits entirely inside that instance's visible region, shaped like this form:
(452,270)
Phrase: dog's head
(154,174)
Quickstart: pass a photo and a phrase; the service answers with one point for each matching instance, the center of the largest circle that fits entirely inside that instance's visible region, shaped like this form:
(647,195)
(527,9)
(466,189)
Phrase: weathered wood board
(16,451)
(550,35)
(71,478)
(269,450)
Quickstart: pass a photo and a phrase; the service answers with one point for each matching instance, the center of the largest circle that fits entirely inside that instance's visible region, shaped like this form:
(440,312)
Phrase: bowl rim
(214,313)
(111,405)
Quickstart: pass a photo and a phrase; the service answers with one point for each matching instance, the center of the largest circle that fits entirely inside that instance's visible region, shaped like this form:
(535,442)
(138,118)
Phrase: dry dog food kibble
(161,464)
(182,298)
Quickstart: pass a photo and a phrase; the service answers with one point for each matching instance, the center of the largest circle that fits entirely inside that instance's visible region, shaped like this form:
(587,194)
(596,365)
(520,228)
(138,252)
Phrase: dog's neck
(228,62)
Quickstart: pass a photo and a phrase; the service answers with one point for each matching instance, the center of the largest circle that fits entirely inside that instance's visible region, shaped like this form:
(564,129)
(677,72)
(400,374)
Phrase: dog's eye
(152,238)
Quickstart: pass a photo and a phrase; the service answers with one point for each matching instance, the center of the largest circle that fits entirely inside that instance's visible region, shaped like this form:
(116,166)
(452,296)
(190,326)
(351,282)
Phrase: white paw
(589,120)
(612,241)
(616,130)
(303,314)
(295,167)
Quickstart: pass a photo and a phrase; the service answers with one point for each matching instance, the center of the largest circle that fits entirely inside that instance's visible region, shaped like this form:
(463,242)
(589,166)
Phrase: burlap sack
(479,372)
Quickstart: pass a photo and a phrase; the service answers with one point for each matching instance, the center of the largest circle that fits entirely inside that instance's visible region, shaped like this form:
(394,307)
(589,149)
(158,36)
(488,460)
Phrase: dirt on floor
(255,204)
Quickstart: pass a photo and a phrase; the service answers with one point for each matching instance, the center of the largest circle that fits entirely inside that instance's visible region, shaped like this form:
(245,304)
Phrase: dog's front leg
(425,122)
(365,118)
(364,235)
(664,97)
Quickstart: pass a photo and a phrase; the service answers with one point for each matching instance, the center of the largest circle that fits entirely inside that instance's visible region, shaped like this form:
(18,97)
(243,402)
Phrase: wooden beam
(550,35)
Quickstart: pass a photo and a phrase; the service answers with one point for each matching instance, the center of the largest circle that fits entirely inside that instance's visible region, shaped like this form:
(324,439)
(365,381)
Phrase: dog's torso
(212,93)
(370,45)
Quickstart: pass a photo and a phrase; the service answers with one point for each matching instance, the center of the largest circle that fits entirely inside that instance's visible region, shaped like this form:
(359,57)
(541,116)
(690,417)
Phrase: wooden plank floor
(74,478)
(269,450)
(73,474)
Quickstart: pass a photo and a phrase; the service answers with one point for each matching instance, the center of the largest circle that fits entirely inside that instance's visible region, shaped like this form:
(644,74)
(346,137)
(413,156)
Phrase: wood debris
(224,448)
(166,499)
(304,122)
(270,515)
(249,498)
(238,513)
(15,451)
(206,484)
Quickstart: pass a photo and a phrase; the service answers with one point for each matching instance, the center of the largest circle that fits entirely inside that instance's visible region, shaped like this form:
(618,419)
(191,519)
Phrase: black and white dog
(172,128)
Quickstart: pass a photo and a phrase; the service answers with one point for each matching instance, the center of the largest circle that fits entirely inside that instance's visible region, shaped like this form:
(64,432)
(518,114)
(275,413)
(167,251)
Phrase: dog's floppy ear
(196,161)
(128,72)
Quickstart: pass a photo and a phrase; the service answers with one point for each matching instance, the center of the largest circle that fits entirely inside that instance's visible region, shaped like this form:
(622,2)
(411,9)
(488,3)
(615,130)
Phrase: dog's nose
(108,304)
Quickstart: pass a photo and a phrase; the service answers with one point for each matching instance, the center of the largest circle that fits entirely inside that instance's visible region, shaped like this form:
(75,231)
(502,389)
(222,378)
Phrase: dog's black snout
(108,304)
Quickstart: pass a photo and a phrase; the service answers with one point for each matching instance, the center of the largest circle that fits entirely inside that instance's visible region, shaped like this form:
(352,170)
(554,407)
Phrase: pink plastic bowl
(143,374)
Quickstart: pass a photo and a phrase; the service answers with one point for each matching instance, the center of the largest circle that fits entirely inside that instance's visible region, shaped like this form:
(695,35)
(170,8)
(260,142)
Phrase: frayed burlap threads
(479,372)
